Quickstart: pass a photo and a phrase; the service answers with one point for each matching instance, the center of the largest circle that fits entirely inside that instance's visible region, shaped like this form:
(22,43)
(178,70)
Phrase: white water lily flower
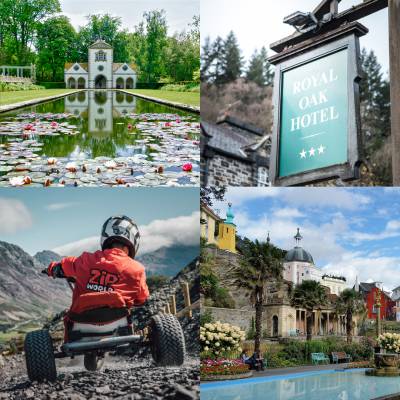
(71,166)
(110,164)
(52,161)
(17,181)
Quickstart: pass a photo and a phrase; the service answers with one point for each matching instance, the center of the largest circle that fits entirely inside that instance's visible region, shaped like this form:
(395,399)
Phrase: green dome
(229,215)
(299,254)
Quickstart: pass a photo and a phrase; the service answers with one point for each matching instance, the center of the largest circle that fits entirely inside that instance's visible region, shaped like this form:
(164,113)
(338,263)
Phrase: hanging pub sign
(316,109)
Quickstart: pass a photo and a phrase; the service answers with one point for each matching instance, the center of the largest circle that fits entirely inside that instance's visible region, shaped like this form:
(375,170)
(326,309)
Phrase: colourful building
(227,232)
(370,291)
(211,223)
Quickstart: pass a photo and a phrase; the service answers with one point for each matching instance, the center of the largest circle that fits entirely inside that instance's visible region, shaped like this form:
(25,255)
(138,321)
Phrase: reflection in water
(101,108)
(101,124)
(327,386)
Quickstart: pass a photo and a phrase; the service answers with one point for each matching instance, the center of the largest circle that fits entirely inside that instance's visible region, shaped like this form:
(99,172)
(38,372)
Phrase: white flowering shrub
(217,338)
(390,342)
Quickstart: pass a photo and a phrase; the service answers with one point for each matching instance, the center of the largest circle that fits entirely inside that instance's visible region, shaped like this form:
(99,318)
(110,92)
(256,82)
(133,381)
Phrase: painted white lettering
(304,103)
(334,113)
(295,124)
(296,87)
(305,121)
(324,115)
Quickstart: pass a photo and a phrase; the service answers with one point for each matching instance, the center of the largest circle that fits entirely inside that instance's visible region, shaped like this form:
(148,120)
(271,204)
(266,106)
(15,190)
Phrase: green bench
(317,358)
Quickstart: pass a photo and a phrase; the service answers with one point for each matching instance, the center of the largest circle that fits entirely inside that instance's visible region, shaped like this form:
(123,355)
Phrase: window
(76,67)
(262,177)
(100,68)
(125,67)
(101,56)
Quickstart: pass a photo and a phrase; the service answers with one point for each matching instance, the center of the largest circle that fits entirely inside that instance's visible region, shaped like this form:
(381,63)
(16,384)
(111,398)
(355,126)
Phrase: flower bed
(223,369)
(218,339)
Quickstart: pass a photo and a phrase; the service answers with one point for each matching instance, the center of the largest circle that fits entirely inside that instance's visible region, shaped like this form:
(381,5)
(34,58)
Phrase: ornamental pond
(327,385)
(99,138)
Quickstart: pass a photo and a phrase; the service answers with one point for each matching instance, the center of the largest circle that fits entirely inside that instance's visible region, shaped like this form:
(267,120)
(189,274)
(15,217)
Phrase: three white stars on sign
(321,150)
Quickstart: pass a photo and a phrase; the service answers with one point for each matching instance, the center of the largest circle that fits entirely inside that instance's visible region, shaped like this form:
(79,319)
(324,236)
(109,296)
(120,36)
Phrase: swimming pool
(318,385)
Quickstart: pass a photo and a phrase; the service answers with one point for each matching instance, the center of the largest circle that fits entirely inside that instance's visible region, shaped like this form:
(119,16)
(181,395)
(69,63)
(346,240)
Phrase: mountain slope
(168,260)
(25,293)
(45,257)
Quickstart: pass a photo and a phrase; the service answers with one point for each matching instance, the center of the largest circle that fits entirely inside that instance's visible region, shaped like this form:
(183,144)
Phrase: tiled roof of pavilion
(85,66)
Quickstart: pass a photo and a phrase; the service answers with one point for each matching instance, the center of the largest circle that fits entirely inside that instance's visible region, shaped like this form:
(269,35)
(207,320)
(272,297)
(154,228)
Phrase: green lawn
(190,98)
(24,95)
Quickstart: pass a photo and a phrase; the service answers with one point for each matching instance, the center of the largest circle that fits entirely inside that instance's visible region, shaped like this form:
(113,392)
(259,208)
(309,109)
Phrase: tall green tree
(255,72)
(350,302)
(260,70)
(268,70)
(207,58)
(217,65)
(181,58)
(309,295)
(107,28)
(375,102)
(232,61)
(261,263)
(152,38)
(55,43)
(20,20)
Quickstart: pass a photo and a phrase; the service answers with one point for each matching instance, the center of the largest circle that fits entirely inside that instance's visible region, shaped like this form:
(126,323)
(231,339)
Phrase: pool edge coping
(185,107)
(213,385)
(27,103)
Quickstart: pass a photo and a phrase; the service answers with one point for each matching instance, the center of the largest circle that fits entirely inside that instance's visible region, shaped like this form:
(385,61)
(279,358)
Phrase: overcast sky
(258,23)
(179,12)
(350,232)
(69,221)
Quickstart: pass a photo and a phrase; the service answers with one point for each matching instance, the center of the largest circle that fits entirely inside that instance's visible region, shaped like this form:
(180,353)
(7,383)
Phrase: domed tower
(299,264)
(227,232)
(100,65)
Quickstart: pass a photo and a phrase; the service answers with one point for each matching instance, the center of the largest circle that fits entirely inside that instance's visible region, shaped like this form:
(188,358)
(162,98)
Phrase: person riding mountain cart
(106,285)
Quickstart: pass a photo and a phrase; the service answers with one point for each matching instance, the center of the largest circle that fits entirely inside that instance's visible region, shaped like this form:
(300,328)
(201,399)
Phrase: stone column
(327,323)
(320,323)
(315,323)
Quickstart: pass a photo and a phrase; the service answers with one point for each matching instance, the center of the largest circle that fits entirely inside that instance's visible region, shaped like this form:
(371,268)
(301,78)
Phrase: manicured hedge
(53,85)
(151,85)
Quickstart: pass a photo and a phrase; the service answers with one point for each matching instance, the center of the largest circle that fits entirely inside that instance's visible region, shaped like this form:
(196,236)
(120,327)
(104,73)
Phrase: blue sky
(69,220)
(258,23)
(179,12)
(352,232)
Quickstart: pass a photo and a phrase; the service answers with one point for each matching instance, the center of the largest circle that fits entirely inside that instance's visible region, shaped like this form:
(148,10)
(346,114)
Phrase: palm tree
(309,295)
(261,263)
(350,302)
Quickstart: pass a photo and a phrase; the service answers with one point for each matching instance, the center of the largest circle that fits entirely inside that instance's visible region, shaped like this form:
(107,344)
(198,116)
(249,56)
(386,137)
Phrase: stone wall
(240,318)
(225,263)
(224,171)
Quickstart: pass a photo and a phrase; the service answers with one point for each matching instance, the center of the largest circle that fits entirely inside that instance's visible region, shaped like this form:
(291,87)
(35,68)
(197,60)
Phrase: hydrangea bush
(390,342)
(217,339)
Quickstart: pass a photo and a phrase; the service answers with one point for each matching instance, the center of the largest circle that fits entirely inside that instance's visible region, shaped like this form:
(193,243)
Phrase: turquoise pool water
(320,385)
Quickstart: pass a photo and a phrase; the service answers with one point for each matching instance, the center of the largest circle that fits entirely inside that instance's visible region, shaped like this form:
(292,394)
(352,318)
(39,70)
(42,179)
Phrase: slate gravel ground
(121,378)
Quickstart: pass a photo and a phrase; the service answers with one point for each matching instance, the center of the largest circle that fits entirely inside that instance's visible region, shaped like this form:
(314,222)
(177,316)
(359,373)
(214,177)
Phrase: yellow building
(209,221)
(226,238)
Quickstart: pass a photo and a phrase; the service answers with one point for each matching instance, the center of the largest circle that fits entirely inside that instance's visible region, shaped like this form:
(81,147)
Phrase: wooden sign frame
(345,37)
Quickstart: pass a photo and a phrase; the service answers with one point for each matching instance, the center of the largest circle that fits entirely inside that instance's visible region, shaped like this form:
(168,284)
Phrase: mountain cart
(95,332)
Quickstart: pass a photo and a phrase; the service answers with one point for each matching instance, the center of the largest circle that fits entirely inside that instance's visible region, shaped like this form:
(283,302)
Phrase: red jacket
(110,272)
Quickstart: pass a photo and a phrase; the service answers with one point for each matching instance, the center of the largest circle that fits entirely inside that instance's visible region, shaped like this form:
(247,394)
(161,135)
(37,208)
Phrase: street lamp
(302,21)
